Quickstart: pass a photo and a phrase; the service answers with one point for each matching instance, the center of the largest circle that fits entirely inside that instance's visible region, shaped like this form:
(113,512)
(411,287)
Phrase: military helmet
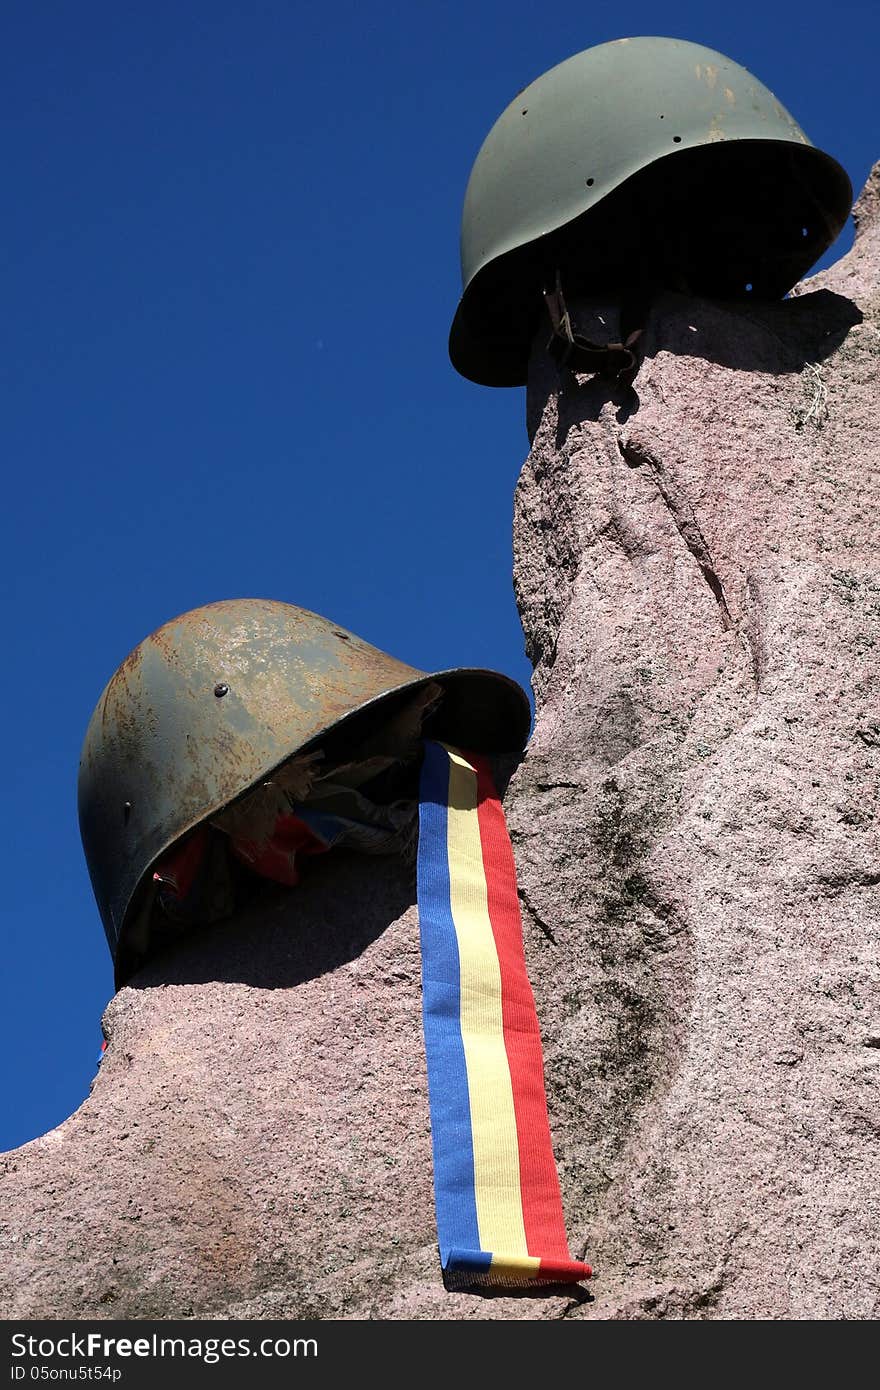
(216,700)
(649,161)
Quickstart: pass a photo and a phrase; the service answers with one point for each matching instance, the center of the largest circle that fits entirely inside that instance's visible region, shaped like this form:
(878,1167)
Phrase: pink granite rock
(696,830)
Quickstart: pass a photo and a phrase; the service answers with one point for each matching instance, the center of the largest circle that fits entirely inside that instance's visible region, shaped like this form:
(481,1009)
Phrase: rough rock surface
(697,829)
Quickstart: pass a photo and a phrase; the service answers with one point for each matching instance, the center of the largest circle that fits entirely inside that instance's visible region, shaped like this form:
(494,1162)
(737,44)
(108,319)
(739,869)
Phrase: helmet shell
(215,700)
(583,130)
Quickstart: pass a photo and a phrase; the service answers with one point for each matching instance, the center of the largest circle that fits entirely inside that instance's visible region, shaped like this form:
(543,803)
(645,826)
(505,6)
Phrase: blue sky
(230,260)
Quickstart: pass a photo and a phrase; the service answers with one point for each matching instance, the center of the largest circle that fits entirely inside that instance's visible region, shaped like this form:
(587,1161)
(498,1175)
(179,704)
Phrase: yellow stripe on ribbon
(493,1120)
(524,1267)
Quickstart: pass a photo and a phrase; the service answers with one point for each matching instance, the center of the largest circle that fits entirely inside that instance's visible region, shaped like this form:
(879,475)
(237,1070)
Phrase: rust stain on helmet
(218,698)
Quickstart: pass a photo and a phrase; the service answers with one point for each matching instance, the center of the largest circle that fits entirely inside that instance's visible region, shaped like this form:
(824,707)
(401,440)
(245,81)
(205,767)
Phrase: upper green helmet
(215,701)
(646,162)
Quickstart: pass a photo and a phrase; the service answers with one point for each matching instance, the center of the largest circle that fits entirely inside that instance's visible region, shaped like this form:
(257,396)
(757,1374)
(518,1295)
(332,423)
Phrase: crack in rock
(525,899)
(635,453)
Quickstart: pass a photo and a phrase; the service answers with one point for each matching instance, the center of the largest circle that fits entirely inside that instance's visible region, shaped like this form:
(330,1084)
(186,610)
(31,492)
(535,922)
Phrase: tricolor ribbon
(499,1207)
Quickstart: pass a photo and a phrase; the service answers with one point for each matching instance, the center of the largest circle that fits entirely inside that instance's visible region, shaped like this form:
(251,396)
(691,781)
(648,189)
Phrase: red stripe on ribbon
(564,1271)
(539,1181)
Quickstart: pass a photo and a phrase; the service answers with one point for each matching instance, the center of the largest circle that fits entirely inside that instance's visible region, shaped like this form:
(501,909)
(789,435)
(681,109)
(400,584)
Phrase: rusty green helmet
(643,162)
(213,702)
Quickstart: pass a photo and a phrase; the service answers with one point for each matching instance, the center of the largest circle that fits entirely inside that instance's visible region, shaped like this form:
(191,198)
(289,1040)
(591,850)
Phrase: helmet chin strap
(618,362)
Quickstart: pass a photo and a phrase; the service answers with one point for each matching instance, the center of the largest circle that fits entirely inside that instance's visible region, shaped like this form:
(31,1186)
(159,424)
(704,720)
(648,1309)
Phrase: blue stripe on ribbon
(469,1261)
(441,982)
